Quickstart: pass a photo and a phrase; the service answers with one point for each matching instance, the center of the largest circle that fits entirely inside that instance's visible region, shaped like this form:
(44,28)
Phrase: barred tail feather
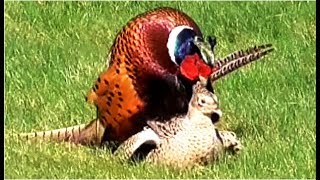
(227,66)
(62,134)
(239,54)
(85,134)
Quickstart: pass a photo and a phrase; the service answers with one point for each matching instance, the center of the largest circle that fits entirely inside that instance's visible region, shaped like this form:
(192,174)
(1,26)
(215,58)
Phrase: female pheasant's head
(185,51)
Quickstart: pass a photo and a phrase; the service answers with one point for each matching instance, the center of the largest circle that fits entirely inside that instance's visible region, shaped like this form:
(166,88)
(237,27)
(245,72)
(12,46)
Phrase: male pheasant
(144,79)
(155,59)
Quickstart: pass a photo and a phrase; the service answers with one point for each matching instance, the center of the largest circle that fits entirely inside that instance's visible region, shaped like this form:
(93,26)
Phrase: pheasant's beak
(215,116)
(206,49)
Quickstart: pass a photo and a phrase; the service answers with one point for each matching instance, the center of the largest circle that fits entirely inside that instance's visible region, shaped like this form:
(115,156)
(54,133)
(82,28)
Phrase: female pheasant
(145,76)
(184,141)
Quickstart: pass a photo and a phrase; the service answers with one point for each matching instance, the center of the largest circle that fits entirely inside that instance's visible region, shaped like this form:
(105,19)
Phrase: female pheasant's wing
(129,148)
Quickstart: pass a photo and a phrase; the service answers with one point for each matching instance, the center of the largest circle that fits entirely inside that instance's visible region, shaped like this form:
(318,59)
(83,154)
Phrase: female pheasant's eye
(203,101)
(180,43)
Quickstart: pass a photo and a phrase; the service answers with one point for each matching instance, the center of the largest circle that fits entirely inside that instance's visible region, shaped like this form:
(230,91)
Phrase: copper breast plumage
(139,56)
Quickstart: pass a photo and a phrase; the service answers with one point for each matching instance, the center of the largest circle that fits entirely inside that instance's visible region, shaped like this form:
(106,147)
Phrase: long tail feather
(242,53)
(62,134)
(237,60)
(85,134)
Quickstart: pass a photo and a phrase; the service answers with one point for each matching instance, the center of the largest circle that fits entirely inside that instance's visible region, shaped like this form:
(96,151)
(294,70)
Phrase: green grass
(55,51)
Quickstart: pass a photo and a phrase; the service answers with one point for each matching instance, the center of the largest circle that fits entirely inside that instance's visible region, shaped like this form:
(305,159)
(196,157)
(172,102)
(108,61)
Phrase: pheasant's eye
(201,102)
(180,43)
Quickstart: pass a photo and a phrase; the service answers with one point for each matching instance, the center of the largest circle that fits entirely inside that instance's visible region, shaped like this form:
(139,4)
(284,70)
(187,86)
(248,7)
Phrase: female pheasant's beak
(216,115)
(199,64)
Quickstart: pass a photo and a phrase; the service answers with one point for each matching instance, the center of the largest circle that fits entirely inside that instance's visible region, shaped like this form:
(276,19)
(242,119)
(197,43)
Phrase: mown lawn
(54,52)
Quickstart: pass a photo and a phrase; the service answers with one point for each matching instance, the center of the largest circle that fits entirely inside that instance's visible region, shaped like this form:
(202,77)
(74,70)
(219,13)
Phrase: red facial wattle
(193,66)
